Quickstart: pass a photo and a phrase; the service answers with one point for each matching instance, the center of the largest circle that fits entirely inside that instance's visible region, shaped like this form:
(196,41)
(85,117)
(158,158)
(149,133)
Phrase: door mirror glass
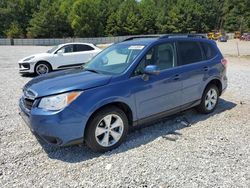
(152,70)
(105,60)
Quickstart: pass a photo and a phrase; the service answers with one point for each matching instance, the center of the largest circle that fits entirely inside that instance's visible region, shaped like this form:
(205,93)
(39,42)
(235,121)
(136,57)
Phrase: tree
(126,19)
(16,14)
(168,17)
(49,21)
(106,9)
(148,13)
(85,18)
(14,31)
(237,14)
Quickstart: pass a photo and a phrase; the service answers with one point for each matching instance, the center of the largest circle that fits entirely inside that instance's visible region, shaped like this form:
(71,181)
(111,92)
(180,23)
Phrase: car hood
(63,81)
(35,56)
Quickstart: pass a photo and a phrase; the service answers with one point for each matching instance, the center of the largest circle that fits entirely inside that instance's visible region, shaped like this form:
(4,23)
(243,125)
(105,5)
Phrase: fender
(208,81)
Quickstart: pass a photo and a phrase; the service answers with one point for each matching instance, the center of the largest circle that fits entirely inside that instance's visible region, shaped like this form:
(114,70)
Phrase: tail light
(224,62)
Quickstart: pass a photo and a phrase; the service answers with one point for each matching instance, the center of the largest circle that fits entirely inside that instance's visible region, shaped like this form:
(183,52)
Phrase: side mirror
(152,70)
(105,60)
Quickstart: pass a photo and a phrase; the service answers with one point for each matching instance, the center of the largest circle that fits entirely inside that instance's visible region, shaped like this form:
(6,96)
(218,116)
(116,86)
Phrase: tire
(102,139)
(209,99)
(42,68)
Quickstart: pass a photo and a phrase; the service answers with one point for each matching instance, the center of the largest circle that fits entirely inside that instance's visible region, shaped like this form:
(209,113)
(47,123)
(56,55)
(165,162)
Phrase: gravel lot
(213,152)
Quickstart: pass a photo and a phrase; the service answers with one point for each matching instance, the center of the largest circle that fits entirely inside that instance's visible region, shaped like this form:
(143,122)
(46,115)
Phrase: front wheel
(107,129)
(42,68)
(209,100)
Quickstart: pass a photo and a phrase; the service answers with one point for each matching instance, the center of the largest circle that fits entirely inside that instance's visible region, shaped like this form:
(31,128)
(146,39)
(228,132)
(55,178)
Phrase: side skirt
(71,66)
(163,115)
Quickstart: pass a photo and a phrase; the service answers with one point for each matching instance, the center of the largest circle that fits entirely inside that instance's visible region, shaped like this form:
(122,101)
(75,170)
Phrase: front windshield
(52,49)
(115,59)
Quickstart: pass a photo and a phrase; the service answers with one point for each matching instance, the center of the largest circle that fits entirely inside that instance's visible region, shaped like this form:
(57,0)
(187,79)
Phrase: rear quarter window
(189,52)
(209,50)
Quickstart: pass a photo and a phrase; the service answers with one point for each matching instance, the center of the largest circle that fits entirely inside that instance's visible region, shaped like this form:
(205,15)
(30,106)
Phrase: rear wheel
(209,99)
(42,68)
(107,129)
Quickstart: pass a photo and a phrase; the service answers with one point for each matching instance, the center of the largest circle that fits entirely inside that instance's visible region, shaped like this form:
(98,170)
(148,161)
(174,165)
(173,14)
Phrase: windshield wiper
(91,70)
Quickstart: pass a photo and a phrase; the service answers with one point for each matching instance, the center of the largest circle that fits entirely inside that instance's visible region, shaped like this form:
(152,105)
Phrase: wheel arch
(121,105)
(215,82)
(43,61)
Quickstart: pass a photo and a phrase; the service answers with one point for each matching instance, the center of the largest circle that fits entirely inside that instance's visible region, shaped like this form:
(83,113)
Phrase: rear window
(189,52)
(209,50)
(82,48)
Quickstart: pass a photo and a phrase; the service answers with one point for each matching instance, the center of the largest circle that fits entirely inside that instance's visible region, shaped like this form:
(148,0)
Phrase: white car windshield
(52,49)
(115,59)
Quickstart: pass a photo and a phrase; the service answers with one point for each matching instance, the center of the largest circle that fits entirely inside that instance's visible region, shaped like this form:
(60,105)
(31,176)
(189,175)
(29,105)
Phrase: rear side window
(82,48)
(189,52)
(209,51)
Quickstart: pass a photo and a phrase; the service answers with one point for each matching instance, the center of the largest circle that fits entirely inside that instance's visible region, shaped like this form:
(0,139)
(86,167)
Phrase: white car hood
(36,56)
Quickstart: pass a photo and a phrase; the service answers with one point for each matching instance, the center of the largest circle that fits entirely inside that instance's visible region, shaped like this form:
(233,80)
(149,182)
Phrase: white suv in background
(59,57)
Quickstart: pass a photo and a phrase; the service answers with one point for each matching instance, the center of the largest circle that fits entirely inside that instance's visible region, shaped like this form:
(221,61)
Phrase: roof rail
(183,35)
(141,37)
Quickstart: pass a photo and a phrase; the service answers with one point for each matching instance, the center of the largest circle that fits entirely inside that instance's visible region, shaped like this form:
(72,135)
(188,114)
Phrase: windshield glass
(115,59)
(52,49)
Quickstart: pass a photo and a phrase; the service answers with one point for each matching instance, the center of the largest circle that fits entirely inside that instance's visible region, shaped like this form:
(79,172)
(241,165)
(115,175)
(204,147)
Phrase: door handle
(205,68)
(176,77)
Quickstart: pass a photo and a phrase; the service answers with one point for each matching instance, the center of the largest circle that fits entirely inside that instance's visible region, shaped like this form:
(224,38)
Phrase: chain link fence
(56,41)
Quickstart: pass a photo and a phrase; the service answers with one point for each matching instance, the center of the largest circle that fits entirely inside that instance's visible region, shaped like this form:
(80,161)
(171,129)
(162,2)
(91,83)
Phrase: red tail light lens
(224,62)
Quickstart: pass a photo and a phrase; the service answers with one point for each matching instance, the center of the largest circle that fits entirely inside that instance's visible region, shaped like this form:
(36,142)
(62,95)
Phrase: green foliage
(148,11)
(49,21)
(237,15)
(14,31)
(126,20)
(92,18)
(85,18)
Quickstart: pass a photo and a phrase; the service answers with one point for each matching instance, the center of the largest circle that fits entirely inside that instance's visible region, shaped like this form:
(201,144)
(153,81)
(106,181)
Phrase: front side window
(67,49)
(163,56)
(115,59)
(82,48)
(189,52)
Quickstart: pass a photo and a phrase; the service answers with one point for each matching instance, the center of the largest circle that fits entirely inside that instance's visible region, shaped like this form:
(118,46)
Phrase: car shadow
(28,75)
(166,128)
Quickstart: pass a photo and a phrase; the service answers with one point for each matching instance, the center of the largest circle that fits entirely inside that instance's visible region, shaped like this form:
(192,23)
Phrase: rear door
(83,53)
(158,93)
(194,70)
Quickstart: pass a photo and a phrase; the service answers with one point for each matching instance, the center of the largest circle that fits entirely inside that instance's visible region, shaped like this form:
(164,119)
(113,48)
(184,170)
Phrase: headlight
(29,58)
(58,102)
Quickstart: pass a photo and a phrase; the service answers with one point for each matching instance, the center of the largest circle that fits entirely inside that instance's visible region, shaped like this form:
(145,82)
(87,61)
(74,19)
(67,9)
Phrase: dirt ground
(213,152)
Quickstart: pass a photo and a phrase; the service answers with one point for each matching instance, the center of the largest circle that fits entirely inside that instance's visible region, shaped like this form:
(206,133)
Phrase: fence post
(11,41)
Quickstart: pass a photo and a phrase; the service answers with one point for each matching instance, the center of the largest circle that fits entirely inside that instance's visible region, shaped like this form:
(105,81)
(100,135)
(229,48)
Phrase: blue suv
(128,84)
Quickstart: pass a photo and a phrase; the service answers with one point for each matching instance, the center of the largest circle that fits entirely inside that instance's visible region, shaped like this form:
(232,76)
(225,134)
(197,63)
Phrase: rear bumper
(224,82)
(58,128)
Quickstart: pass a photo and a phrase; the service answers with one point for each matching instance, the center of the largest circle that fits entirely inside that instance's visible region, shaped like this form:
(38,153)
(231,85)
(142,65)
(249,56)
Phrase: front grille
(28,103)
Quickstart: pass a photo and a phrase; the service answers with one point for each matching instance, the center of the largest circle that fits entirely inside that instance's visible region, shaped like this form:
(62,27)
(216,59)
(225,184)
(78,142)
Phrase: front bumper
(26,67)
(58,128)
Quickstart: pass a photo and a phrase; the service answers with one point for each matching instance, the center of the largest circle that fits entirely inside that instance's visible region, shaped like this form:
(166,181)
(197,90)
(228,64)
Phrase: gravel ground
(213,152)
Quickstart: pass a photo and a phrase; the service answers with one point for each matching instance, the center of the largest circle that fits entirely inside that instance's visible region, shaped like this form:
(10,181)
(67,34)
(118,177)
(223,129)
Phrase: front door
(65,57)
(162,92)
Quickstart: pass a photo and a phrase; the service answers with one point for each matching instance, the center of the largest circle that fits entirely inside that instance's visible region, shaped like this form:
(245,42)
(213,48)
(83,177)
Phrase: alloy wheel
(109,130)
(211,99)
(42,69)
